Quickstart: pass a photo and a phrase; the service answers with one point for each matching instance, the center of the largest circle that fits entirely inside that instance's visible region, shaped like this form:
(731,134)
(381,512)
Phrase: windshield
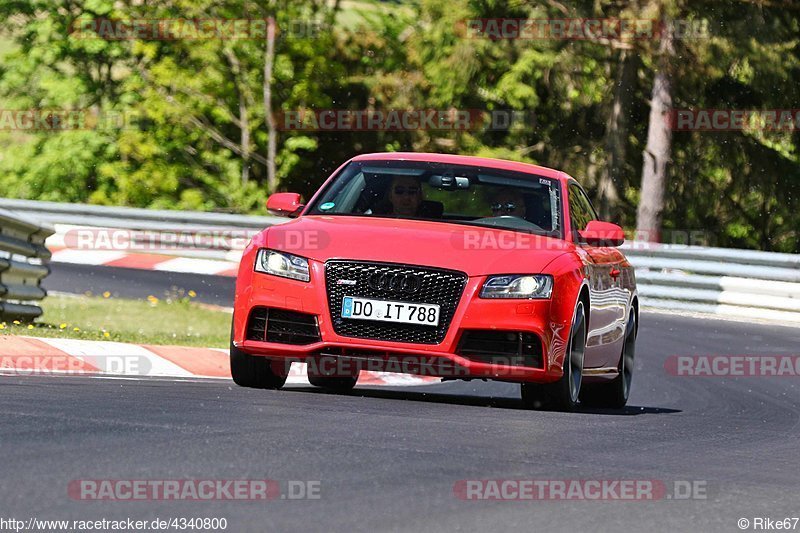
(456,194)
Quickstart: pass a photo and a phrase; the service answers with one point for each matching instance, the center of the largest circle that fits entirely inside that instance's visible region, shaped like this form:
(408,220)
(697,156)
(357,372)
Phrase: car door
(608,301)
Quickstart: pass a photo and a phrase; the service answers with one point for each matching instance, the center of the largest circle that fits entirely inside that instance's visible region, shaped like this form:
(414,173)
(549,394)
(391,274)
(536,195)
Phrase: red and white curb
(143,261)
(44,356)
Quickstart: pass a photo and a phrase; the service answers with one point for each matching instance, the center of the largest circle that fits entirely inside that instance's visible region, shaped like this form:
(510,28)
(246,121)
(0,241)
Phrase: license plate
(388,311)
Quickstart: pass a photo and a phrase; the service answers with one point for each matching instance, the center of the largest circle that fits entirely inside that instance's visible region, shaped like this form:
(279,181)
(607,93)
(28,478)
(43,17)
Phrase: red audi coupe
(450,266)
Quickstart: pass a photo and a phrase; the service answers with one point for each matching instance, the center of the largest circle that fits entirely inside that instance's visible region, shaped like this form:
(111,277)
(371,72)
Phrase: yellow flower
(106,334)
(62,325)
(192,294)
(106,294)
(76,329)
(30,326)
(17,322)
(2,326)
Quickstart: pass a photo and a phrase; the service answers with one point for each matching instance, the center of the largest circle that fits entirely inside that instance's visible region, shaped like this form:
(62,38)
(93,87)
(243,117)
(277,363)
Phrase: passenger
(508,202)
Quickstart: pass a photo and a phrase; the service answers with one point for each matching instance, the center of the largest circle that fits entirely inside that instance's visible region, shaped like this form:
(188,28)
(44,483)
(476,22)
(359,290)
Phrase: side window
(581,211)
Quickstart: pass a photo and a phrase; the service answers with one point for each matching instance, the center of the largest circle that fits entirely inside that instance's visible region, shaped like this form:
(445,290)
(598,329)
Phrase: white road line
(87,257)
(194,266)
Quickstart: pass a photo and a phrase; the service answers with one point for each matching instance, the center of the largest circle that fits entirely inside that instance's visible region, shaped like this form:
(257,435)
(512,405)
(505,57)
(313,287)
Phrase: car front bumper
(255,289)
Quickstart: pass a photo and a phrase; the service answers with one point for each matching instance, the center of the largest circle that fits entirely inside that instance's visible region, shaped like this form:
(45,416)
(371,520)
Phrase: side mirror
(602,234)
(284,204)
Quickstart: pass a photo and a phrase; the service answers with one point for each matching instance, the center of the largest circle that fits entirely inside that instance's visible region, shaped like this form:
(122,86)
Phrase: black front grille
(517,348)
(431,286)
(282,326)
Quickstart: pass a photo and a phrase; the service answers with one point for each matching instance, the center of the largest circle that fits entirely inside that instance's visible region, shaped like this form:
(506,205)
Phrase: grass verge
(175,320)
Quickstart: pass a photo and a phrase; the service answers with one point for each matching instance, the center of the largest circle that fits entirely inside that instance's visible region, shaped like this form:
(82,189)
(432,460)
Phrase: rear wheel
(615,393)
(254,371)
(564,394)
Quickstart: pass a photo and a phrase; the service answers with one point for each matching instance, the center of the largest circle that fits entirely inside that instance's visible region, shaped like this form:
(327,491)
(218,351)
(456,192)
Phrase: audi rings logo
(405,283)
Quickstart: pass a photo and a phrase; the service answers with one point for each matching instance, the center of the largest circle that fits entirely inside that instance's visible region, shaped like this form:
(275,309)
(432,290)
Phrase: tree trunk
(245,140)
(270,119)
(245,102)
(611,180)
(659,145)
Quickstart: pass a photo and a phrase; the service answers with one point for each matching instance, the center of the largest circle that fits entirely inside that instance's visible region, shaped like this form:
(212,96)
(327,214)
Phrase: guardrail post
(23,264)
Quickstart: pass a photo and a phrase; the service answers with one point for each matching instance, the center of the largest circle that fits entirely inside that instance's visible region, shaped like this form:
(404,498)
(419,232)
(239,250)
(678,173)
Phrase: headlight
(538,286)
(282,264)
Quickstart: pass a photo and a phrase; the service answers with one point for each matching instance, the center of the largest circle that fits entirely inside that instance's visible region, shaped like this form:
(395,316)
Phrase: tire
(564,394)
(254,371)
(337,383)
(614,394)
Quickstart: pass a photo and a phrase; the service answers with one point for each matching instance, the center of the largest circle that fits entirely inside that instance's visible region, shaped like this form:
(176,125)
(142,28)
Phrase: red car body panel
(602,274)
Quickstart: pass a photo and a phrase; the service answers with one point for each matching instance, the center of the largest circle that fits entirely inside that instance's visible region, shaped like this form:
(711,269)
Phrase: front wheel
(564,394)
(614,394)
(254,371)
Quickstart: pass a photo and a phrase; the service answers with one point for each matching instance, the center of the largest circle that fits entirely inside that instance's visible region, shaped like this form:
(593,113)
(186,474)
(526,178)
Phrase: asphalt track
(389,459)
(137,283)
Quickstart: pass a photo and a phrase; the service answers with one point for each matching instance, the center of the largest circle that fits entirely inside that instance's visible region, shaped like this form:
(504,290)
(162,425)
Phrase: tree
(659,143)
(198,129)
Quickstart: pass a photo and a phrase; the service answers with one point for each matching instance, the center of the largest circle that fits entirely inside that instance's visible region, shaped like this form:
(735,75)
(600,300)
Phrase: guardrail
(149,226)
(134,218)
(23,265)
(742,283)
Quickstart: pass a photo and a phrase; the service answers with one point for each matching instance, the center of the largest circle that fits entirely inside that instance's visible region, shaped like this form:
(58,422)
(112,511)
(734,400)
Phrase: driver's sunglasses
(504,208)
(410,191)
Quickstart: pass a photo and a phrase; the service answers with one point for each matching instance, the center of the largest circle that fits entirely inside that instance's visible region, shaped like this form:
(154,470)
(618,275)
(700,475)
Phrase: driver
(508,202)
(405,196)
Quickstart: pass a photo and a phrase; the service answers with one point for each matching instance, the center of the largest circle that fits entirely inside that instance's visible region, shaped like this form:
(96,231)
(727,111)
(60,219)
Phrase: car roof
(468,160)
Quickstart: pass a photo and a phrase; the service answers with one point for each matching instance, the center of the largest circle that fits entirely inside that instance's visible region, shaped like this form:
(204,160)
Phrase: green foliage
(185,104)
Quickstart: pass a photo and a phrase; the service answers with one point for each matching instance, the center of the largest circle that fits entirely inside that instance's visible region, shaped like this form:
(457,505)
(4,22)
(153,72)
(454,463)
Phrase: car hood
(471,249)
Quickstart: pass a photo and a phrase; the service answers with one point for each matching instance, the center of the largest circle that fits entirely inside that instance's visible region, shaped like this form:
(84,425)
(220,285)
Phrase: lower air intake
(282,326)
(516,348)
